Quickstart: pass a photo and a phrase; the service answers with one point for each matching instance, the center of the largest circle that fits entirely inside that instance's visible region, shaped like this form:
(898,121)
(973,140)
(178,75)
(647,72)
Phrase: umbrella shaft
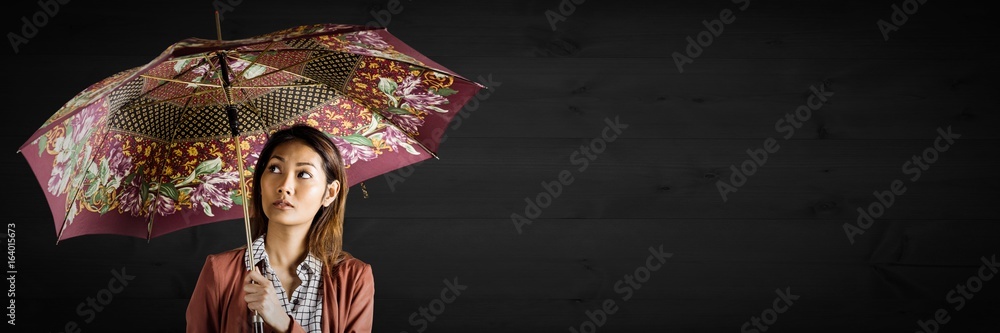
(246,200)
(234,123)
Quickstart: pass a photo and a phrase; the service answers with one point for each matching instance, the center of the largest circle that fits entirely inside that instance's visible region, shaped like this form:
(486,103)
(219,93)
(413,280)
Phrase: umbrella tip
(218,27)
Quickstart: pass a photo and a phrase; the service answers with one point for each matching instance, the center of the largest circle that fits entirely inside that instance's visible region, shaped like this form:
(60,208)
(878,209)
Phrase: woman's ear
(331,193)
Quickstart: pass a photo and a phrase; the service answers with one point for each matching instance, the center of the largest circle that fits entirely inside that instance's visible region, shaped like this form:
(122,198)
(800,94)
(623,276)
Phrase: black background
(654,185)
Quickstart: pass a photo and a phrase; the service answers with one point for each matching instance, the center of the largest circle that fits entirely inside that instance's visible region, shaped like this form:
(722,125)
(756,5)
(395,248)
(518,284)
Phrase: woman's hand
(262,297)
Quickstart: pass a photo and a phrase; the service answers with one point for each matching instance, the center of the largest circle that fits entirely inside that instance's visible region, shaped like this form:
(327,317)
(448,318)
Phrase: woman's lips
(281,204)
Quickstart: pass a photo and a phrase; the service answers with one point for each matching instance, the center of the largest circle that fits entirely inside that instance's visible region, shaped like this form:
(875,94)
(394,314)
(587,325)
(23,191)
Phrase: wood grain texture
(655,184)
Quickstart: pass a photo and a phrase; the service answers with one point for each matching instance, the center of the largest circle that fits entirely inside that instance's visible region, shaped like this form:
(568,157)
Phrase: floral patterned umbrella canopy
(149,150)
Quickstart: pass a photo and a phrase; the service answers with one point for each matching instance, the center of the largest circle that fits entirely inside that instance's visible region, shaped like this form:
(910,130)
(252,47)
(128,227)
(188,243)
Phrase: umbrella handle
(258,323)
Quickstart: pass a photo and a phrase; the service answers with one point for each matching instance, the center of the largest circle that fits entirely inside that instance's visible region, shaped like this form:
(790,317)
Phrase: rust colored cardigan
(217,303)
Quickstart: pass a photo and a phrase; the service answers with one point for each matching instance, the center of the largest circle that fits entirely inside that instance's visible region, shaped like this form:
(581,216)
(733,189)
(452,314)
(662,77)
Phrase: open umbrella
(170,144)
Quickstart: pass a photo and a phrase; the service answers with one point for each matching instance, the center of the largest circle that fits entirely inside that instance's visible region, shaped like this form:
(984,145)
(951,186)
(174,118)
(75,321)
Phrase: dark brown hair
(325,238)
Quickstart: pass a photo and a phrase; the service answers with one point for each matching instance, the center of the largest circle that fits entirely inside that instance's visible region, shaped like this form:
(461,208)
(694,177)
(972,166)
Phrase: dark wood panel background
(655,185)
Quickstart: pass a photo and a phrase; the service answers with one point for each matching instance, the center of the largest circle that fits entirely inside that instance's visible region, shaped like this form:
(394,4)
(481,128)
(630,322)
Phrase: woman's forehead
(296,151)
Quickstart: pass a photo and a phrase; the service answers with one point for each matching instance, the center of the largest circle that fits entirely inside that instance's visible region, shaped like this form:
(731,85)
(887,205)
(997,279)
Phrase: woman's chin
(281,219)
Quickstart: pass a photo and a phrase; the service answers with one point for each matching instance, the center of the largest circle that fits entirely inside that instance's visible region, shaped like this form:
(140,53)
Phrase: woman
(308,283)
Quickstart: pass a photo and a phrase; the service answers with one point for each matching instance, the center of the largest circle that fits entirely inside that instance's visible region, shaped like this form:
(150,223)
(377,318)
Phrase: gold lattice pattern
(332,69)
(155,120)
(286,103)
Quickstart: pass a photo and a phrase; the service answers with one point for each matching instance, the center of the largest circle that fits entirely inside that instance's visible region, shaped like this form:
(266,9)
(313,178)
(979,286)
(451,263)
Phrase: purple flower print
(164,205)
(213,189)
(394,137)
(119,164)
(129,200)
(406,122)
(353,153)
(369,38)
(410,92)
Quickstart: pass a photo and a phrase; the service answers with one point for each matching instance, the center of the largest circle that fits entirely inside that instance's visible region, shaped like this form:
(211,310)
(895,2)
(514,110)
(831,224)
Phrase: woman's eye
(273,169)
(304,174)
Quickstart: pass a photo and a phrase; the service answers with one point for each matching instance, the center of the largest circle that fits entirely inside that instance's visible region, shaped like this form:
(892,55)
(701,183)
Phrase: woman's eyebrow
(296,164)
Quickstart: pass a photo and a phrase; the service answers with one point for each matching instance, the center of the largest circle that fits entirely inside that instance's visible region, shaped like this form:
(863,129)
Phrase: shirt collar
(310,265)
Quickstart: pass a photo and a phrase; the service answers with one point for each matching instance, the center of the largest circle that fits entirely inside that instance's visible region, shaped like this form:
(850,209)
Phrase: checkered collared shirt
(306,305)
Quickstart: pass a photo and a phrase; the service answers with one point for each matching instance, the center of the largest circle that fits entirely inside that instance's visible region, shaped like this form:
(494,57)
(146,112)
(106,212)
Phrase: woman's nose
(284,190)
(285,187)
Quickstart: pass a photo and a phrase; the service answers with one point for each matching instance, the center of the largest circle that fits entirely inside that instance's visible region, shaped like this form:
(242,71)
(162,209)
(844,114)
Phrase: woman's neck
(285,247)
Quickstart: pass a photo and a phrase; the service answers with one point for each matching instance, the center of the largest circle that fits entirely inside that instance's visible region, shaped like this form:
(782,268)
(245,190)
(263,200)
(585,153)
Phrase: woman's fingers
(261,297)
(255,276)
(255,296)
(258,299)
(256,287)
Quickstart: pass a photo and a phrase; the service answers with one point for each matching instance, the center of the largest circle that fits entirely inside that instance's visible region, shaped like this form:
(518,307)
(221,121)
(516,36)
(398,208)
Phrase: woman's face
(294,185)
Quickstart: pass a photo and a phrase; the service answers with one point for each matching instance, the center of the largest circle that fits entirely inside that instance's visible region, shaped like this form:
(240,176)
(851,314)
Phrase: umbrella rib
(166,152)
(155,203)
(289,49)
(277,70)
(187,115)
(179,81)
(281,86)
(408,135)
(79,189)
(285,70)
(254,62)
(327,52)
(175,98)
(137,98)
(359,54)
(260,115)
(186,105)
(164,83)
